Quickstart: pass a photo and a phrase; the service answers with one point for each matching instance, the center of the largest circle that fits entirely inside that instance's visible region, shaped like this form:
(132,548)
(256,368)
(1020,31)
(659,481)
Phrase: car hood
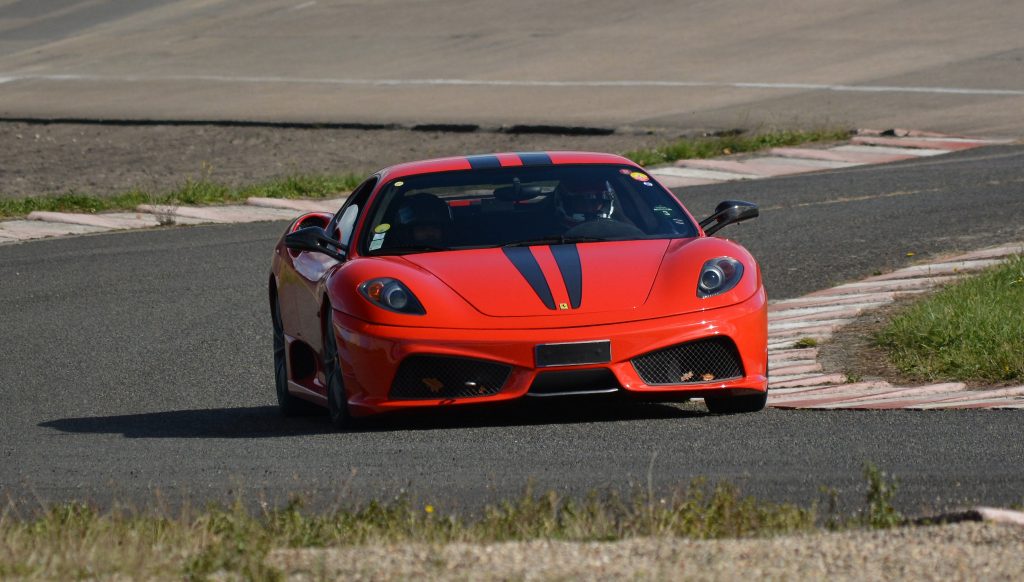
(569,279)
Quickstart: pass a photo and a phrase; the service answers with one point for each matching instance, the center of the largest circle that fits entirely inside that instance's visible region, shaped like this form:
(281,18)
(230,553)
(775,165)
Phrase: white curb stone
(33,229)
(870,149)
(105,221)
(220,214)
(299,206)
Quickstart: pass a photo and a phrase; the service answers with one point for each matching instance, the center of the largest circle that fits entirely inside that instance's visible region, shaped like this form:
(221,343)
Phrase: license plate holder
(573,353)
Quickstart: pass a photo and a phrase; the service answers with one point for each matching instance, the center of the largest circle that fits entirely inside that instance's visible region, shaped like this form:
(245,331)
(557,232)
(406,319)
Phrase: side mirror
(729,212)
(315,240)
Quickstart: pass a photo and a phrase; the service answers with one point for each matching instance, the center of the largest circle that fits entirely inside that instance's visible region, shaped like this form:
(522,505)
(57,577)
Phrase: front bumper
(370,354)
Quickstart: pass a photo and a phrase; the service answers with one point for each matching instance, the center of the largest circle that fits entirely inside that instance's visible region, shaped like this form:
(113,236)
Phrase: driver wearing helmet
(424,219)
(585,198)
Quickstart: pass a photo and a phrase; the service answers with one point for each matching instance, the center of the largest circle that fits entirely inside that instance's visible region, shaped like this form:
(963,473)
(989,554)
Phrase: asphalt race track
(137,365)
(942,65)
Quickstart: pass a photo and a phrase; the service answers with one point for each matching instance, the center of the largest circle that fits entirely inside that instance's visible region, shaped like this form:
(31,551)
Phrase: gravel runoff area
(41,159)
(963,551)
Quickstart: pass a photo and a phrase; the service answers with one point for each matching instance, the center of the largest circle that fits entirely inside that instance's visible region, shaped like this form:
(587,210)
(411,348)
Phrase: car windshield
(521,206)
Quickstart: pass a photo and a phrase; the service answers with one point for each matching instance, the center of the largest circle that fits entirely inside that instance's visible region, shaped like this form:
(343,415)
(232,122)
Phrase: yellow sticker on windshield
(399,184)
(640,176)
(381,228)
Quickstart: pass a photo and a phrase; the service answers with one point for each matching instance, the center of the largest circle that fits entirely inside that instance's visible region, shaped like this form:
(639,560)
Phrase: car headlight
(718,276)
(393,295)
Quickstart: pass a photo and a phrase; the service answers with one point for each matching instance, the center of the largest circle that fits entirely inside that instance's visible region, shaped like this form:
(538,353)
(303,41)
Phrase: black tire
(337,400)
(737,404)
(287,404)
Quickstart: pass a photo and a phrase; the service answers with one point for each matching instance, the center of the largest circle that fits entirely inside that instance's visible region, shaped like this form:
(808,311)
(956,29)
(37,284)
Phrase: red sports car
(520,275)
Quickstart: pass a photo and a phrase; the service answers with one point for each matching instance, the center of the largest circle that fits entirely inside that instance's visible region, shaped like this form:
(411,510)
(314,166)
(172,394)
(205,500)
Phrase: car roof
(500,160)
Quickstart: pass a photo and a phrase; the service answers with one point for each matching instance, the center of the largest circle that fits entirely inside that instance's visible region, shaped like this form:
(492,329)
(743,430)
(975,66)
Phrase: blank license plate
(574,354)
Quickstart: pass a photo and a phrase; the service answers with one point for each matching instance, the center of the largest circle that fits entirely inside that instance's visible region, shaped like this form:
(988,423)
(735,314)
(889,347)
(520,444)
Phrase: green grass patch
(733,143)
(805,342)
(970,331)
(206,192)
(191,193)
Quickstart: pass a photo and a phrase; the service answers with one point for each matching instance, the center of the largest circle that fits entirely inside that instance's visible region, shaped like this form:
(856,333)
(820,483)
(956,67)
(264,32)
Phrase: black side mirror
(729,212)
(315,240)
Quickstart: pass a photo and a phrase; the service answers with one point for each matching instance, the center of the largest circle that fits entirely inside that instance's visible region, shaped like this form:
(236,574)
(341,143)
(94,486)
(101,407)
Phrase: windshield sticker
(382,228)
(399,184)
(648,184)
(639,176)
(623,171)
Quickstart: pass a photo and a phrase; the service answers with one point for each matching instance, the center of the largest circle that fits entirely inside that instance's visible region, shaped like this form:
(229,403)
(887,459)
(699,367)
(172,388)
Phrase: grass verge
(78,541)
(205,192)
(731,143)
(192,193)
(972,331)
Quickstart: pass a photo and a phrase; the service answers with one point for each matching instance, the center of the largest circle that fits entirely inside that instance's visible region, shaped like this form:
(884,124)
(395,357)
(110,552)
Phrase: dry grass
(76,541)
(731,143)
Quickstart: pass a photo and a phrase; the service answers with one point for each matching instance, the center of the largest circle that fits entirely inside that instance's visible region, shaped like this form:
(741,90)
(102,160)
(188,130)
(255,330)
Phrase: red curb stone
(915,395)
(810,381)
(890,285)
(858,388)
(812,300)
(943,268)
(830,314)
(803,331)
(795,354)
(1001,251)
(801,369)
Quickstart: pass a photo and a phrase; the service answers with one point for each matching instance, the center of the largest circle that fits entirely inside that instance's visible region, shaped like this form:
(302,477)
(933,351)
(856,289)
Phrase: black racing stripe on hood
(534,158)
(528,267)
(568,259)
(483,162)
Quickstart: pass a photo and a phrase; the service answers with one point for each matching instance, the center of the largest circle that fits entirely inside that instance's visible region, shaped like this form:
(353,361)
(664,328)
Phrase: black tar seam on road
(436,127)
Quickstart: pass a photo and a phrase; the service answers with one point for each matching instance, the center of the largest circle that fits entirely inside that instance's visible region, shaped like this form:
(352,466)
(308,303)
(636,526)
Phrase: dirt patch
(41,159)
(852,350)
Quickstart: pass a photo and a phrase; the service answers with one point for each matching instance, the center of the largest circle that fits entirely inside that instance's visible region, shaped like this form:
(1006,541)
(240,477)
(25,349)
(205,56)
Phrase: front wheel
(337,400)
(737,404)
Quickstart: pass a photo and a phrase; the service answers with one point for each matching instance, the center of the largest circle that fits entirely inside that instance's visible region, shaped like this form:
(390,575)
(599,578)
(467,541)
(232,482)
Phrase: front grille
(705,360)
(426,377)
(574,381)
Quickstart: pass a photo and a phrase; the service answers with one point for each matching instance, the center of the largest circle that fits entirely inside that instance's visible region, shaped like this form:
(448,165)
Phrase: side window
(349,213)
(347,223)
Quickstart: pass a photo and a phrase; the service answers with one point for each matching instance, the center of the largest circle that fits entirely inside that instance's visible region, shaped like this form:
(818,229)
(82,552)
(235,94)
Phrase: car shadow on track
(528,413)
(266,422)
(247,422)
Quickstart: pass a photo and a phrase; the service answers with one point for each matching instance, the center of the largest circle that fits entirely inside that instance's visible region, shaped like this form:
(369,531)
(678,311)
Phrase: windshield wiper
(407,250)
(554,240)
